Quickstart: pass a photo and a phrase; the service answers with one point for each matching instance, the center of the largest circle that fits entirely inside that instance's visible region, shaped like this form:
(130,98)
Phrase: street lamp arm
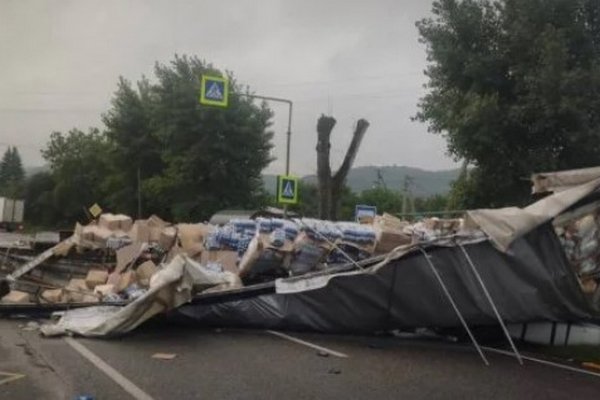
(269,98)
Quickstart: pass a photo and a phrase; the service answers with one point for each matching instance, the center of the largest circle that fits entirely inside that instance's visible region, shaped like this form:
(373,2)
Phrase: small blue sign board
(214,91)
(364,213)
(287,189)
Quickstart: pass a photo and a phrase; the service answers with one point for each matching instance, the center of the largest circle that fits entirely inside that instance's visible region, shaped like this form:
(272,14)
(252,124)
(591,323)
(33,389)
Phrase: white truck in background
(11,213)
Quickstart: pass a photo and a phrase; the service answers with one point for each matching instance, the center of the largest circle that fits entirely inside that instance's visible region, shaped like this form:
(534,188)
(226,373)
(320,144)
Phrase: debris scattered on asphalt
(591,365)
(322,353)
(31,326)
(164,356)
(334,371)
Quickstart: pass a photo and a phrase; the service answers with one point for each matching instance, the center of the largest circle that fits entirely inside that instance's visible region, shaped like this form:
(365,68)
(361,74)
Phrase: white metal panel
(19,211)
(2,207)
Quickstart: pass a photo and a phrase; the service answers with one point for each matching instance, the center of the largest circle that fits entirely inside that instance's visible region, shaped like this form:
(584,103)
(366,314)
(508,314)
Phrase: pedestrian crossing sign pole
(214,91)
(287,189)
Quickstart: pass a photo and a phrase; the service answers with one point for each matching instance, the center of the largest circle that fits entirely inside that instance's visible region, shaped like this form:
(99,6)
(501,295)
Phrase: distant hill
(425,183)
(35,170)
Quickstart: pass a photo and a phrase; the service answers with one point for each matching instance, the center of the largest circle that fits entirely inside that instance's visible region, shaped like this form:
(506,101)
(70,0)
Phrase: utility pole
(380,182)
(406,194)
(139,193)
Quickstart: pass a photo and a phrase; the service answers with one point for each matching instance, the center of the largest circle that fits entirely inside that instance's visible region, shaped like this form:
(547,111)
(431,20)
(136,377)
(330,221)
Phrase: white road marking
(307,344)
(112,373)
(10,376)
(544,362)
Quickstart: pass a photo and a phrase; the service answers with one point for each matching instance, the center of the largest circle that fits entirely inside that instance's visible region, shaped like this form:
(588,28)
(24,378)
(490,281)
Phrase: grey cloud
(61,60)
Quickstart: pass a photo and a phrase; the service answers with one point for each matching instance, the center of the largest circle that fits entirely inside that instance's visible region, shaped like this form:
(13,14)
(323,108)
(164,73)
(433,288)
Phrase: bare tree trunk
(338,180)
(330,187)
(324,127)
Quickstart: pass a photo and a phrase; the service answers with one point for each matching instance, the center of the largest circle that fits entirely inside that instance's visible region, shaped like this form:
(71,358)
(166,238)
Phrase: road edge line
(112,373)
(544,362)
(308,344)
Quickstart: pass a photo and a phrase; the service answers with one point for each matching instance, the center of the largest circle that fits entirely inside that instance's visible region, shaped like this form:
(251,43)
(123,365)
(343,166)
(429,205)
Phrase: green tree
(11,173)
(436,202)
(40,209)
(194,160)
(135,147)
(386,200)
(513,87)
(79,162)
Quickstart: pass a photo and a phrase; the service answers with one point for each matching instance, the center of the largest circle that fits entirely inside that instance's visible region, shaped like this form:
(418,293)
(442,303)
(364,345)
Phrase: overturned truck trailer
(521,262)
(526,264)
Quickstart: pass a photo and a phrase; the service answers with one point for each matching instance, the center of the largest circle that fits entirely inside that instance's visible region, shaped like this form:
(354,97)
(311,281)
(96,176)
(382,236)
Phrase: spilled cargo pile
(579,234)
(113,259)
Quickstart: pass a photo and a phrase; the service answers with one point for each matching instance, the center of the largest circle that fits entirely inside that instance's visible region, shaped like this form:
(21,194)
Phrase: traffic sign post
(287,189)
(214,91)
(365,214)
(95,210)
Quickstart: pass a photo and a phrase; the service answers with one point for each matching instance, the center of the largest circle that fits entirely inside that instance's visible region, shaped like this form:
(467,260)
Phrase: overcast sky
(60,60)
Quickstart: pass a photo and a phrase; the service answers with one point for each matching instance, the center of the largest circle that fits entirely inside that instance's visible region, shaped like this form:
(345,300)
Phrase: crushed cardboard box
(53,295)
(104,290)
(96,277)
(16,297)
(144,272)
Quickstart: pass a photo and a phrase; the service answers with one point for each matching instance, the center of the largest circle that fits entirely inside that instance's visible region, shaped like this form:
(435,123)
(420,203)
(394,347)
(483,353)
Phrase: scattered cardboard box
(75,290)
(387,239)
(104,290)
(16,297)
(126,279)
(228,259)
(113,278)
(145,272)
(109,221)
(90,298)
(191,237)
(53,295)
(77,284)
(140,231)
(167,237)
(125,222)
(96,277)
(127,254)
(155,225)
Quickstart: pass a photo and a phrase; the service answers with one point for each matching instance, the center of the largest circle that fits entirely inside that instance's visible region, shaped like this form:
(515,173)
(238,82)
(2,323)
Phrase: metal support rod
(456,310)
(491,301)
(139,193)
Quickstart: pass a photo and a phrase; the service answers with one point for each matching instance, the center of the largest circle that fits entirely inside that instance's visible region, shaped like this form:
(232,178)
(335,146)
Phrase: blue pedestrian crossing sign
(214,91)
(287,189)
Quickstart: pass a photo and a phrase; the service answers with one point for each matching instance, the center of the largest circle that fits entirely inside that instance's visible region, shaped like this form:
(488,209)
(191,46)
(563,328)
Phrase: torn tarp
(169,288)
(531,282)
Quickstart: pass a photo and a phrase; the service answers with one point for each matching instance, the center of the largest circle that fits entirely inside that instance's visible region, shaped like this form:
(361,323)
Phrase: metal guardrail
(422,214)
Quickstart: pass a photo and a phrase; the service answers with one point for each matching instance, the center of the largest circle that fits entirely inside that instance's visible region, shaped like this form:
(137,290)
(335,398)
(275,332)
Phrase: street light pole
(289,129)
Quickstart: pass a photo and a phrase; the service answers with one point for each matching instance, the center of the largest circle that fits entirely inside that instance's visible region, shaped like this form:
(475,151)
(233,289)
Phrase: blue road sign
(214,91)
(364,213)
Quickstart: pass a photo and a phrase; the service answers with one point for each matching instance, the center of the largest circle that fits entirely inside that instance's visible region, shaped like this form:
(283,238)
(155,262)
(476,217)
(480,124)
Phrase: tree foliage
(79,164)
(192,160)
(12,174)
(514,88)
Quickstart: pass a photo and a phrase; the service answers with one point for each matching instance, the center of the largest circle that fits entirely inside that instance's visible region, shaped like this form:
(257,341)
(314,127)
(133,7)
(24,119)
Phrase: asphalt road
(225,364)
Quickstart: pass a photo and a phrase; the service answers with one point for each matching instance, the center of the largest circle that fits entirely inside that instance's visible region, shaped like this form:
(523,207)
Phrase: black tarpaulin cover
(531,281)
